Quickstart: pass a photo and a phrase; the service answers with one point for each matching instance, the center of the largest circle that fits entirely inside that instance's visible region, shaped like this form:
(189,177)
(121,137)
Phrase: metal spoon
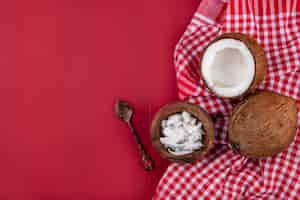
(124,111)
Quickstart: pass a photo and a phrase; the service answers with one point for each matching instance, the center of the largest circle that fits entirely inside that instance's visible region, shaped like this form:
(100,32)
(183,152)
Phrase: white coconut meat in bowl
(229,65)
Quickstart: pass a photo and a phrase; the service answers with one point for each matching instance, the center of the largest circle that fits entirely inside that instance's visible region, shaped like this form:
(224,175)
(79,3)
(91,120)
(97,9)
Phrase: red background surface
(63,63)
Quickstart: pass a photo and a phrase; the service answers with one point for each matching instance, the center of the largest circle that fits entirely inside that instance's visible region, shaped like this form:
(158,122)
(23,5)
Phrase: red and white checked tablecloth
(222,174)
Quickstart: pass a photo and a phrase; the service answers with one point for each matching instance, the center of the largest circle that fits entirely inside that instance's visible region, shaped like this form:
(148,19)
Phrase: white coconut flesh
(228,67)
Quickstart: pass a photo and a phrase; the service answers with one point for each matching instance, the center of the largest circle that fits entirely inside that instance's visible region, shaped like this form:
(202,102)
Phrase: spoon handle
(147,161)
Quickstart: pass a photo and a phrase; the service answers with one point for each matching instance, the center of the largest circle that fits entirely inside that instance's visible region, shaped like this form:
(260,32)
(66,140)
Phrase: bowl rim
(175,107)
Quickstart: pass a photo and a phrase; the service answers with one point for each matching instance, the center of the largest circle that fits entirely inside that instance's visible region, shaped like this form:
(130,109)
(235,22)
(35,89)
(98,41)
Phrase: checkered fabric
(223,174)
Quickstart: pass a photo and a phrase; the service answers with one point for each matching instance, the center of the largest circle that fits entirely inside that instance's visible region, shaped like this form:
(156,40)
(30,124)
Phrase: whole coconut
(264,124)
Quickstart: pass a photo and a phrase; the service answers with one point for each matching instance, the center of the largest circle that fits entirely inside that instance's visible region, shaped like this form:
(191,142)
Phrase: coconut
(262,125)
(233,65)
(178,107)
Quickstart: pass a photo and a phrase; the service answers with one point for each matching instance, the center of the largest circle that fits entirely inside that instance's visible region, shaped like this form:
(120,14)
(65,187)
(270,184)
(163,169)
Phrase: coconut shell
(263,125)
(178,107)
(259,58)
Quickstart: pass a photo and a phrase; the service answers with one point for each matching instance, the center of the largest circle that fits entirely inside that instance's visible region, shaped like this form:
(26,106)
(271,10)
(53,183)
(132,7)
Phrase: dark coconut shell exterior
(263,125)
(196,111)
(258,54)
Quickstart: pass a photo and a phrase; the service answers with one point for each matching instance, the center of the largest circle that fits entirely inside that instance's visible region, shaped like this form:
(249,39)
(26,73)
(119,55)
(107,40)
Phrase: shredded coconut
(182,133)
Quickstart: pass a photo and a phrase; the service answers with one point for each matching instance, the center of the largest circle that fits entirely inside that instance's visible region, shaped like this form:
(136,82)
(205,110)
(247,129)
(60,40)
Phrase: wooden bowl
(196,111)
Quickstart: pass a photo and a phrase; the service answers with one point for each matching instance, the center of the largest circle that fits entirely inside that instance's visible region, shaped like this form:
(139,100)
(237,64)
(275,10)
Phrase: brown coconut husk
(196,111)
(263,125)
(259,58)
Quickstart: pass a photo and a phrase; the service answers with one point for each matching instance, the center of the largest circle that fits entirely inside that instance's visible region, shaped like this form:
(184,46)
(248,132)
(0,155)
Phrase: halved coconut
(195,111)
(233,65)
(264,124)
